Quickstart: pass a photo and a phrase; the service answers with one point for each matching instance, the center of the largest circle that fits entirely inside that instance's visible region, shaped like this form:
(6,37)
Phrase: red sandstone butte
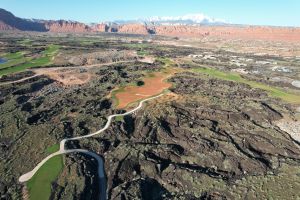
(66,26)
(8,22)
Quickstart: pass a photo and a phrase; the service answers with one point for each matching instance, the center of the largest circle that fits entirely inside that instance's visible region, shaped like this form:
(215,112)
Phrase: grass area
(12,59)
(39,186)
(51,50)
(272,91)
(136,45)
(44,60)
(87,42)
(119,118)
(142,52)
(15,55)
(167,62)
(150,74)
(52,149)
(139,47)
(26,42)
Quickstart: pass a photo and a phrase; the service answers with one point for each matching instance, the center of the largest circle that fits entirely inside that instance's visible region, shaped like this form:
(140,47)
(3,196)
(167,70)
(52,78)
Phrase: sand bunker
(154,84)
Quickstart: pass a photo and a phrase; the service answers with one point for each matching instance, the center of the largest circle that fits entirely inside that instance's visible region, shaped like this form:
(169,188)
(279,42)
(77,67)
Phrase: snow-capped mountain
(189,19)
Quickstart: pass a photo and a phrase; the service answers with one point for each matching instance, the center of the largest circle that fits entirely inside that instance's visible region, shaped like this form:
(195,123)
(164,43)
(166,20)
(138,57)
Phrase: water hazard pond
(2,60)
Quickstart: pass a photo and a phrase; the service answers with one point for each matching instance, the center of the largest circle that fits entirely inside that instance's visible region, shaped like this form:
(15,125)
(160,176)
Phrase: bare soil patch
(290,126)
(296,84)
(155,83)
(147,59)
(66,76)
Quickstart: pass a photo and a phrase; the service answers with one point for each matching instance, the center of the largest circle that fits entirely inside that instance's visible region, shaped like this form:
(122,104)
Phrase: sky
(254,12)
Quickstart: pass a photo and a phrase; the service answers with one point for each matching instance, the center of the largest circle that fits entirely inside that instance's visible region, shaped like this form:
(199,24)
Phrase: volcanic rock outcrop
(163,147)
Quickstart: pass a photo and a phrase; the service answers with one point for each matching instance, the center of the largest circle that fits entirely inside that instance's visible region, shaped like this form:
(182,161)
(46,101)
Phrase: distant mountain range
(189,20)
(197,25)
(10,22)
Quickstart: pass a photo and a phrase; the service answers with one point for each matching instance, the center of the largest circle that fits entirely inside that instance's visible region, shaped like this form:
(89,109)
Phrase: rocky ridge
(160,148)
(9,22)
(66,26)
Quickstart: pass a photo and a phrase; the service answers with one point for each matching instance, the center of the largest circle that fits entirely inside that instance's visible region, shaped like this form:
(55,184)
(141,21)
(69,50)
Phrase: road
(20,80)
(63,150)
(39,71)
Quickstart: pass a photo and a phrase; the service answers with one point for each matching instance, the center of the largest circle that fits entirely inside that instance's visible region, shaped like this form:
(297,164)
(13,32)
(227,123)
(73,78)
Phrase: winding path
(61,68)
(63,150)
(20,80)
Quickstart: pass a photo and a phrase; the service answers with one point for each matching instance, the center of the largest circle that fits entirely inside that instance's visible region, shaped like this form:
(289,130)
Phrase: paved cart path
(63,150)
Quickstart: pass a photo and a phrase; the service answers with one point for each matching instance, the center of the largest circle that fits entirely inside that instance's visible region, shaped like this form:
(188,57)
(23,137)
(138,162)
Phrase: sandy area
(66,76)
(291,127)
(240,71)
(154,84)
(147,59)
(296,84)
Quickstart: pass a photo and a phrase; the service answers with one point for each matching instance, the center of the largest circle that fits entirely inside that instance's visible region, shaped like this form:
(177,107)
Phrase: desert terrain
(224,123)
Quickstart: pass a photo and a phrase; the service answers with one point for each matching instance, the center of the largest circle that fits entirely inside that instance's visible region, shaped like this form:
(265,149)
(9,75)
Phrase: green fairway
(12,59)
(167,62)
(119,118)
(142,52)
(52,149)
(39,186)
(51,50)
(18,63)
(10,56)
(136,45)
(26,42)
(272,91)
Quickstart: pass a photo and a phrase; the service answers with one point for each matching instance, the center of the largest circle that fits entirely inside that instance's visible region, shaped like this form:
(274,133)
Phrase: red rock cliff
(66,26)
(133,28)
